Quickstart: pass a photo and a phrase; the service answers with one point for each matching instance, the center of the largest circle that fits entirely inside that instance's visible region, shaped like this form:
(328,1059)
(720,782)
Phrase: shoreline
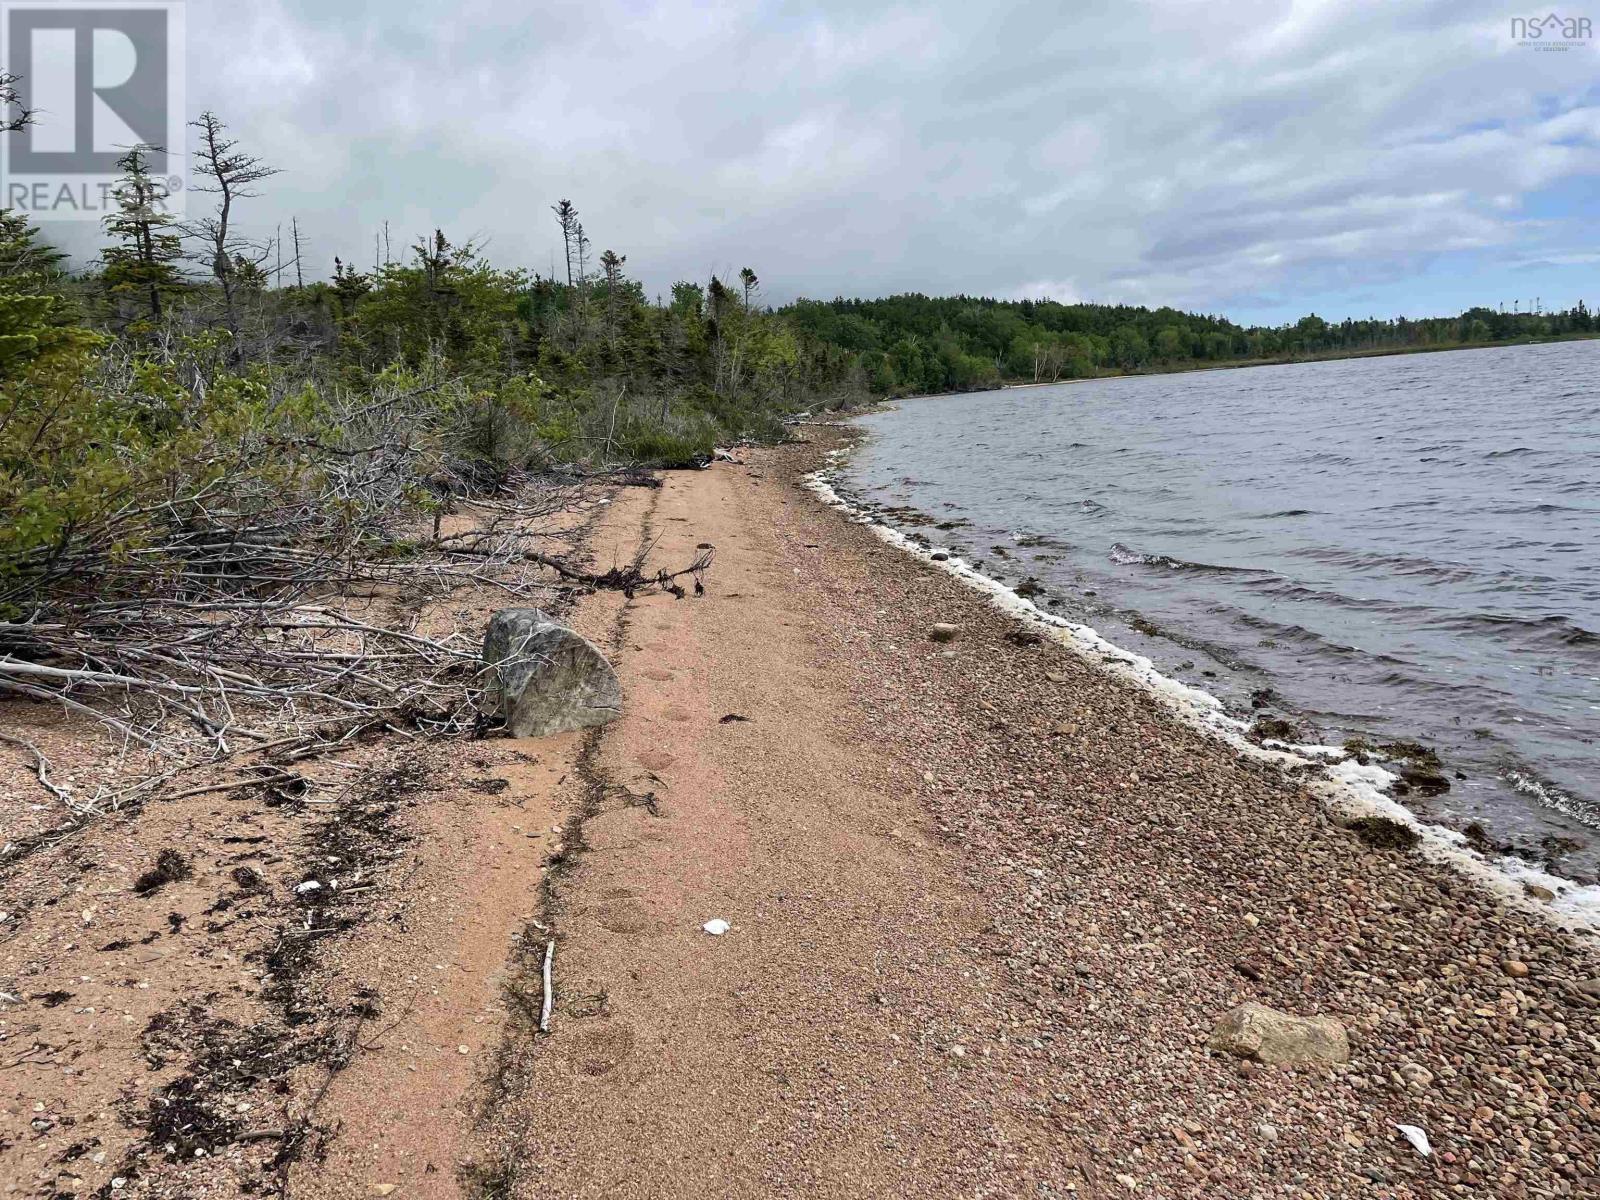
(1350,790)
(987,902)
(1241,364)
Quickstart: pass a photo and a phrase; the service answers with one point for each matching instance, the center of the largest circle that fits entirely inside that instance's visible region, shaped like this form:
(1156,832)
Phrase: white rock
(310,885)
(716,927)
(1417,1138)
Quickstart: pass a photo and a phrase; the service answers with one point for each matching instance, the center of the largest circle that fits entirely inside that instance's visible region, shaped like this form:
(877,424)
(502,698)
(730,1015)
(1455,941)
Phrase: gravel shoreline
(1144,878)
(988,903)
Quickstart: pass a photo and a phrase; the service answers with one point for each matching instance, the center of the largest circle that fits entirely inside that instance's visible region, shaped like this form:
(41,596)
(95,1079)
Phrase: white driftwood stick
(549,994)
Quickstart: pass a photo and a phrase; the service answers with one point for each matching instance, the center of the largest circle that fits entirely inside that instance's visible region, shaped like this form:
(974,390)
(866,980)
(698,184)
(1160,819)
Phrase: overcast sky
(1258,159)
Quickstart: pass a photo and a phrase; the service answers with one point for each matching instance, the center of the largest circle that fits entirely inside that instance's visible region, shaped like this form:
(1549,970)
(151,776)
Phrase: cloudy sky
(1259,159)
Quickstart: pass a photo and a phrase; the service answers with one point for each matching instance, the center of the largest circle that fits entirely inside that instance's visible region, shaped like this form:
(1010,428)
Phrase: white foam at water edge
(1346,787)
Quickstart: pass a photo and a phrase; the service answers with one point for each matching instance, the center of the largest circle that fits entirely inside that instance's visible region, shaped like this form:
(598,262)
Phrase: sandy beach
(985,904)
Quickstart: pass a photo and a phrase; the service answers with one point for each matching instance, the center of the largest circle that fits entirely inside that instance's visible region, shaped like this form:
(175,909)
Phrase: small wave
(1125,557)
(1511,453)
(1035,541)
(1308,641)
(1551,796)
(1358,786)
(1386,561)
(1539,507)
(1554,631)
(1284,512)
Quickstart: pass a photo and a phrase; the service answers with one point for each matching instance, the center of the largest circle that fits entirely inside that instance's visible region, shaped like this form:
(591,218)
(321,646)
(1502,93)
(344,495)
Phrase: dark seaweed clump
(171,867)
(1384,833)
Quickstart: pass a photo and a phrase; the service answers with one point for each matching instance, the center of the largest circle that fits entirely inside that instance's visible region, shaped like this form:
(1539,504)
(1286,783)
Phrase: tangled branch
(277,614)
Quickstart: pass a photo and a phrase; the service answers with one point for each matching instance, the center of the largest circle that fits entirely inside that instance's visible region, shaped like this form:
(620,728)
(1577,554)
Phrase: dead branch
(549,991)
(41,768)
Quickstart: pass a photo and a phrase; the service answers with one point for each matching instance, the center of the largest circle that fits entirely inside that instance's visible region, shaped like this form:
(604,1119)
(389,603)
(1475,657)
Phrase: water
(1394,548)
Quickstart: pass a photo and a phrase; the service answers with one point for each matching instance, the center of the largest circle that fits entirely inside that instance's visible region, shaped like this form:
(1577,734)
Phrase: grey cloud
(1200,155)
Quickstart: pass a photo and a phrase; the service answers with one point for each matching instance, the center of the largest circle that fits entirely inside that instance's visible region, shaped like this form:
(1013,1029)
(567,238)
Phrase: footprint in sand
(629,916)
(678,714)
(656,760)
(658,675)
(599,1049)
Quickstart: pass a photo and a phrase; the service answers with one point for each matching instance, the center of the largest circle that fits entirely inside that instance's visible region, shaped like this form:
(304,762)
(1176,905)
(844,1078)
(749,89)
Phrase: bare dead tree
(299,276)
(15,117)
(231,173)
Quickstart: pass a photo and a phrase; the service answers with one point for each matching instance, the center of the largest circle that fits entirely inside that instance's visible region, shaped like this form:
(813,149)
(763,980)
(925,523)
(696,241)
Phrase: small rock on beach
(1275,1038)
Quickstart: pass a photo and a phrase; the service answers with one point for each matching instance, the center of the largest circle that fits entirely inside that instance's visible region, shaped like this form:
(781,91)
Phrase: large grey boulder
(1272,1037)
(543,678)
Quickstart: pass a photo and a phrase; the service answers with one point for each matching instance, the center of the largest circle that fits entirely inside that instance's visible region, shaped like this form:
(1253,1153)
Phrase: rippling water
(1399,548)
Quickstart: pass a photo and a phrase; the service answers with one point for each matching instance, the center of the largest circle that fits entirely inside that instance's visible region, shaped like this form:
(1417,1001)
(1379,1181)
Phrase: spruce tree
(140,266)
(36,317)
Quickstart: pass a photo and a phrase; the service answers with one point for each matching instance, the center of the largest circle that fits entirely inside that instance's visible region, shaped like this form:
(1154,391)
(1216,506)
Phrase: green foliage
(166,407)
(27,265)
(446,301)
(36,319)
(23,321)
(914,344)
(139,267)
(667,449)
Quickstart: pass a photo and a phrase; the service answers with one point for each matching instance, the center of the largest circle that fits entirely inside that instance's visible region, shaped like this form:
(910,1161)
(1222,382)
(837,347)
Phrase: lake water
(1392,548)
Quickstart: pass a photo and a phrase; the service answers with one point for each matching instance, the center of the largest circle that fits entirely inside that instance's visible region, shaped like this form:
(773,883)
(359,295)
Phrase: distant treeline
(198,388)
(914,344)
(196,375)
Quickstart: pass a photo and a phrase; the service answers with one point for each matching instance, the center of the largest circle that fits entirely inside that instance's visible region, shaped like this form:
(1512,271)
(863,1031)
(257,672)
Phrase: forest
(193,383)
(916,344)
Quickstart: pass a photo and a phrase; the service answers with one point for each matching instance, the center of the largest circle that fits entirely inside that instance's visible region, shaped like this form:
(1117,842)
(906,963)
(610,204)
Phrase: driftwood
(41,767)
(268,628)
(549,991)
(631,579)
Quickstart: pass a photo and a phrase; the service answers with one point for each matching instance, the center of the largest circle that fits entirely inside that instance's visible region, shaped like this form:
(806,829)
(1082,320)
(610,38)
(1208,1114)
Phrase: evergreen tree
(26,263)
(567,218)
(140,266)
(611,263)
